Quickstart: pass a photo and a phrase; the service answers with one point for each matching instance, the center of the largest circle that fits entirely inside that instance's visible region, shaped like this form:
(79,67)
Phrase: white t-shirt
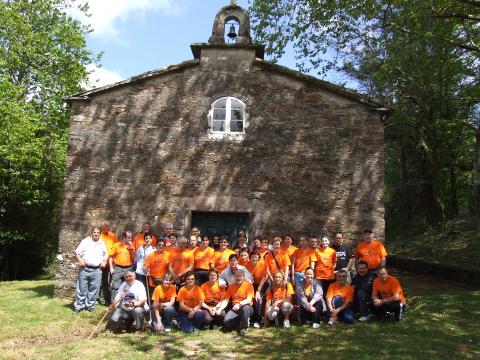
(135,292)
(92,252)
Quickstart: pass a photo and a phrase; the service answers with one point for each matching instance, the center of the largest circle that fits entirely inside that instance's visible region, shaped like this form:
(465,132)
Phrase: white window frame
(227,133)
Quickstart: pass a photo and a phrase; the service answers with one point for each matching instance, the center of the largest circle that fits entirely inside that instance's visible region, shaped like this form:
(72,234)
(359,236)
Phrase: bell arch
(226,14)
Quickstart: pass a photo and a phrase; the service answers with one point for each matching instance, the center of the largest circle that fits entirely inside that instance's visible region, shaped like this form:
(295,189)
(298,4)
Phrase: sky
(143,35)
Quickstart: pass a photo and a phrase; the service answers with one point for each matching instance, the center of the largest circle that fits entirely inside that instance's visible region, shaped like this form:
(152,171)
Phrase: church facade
(224,141)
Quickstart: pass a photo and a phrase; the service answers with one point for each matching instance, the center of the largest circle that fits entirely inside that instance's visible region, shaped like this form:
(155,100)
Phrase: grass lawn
(441,322)
(456,244)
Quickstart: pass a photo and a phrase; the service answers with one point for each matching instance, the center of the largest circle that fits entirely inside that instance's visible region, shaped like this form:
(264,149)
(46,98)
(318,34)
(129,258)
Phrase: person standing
(203,260)
(180,261)
(121,261)
(302,258)
(345,258)
(221,256)
(92,255)
(325,264)
(139,239)
(140,256)
(109,239)
(371,251)
(227,276)
(156,265)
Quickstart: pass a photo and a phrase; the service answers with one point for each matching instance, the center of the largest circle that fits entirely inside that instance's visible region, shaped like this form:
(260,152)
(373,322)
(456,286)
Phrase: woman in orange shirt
(214,295)
(287,245)
(203,260)
(221,256)
(191,300)
(279,298)
(325,264)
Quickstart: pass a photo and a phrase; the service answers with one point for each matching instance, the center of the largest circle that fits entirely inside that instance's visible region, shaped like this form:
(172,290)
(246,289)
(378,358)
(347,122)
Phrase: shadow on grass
(40,290)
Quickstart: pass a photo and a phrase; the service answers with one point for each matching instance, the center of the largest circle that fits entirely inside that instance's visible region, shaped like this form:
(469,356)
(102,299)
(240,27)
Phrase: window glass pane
(219,114)
(236,104)
(236,114)
(236,126)
(220,104)
(218,125)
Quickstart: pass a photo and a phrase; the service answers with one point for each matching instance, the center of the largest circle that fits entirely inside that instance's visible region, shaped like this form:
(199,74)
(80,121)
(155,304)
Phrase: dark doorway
(222,223)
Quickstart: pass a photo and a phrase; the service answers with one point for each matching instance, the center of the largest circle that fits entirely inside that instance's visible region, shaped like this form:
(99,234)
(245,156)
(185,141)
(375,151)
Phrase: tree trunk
(474,201)
(453,194)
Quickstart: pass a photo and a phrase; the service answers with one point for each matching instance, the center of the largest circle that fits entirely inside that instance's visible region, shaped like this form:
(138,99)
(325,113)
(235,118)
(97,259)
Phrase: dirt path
(413,283)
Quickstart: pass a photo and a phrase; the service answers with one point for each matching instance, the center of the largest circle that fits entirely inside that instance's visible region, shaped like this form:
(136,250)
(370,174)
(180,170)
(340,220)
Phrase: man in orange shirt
(340,299)
(325,264)
(387,296)
(121,261)
(241,295)
(109,238)
(181,261)
(139,240)
(371,251)
(203,260)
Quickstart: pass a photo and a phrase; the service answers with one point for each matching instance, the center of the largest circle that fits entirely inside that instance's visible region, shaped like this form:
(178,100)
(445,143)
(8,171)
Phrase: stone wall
(311,160)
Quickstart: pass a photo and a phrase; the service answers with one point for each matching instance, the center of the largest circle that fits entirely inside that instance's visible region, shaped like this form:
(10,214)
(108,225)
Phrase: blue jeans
(88,286)
(191,325)
(299,276)
(346,314)
(166,315)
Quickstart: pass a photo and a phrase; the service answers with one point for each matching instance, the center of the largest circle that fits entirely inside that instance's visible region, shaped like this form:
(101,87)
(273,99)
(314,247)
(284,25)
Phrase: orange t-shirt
(121,255)
(289,251)
(191,298)
(325,264)
(139,241)
(263,252)
(213,293)
(157,264)
(370,253)
(180,260)
(161,295)
(221,259)
(281,292)
(304,258)
(109,240)
(282,258)
(258,272)
(385,290)
(203,258)
(240,292)
(346,292)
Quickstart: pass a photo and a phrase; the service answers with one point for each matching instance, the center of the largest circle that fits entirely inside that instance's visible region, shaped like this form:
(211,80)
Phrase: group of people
(205,282)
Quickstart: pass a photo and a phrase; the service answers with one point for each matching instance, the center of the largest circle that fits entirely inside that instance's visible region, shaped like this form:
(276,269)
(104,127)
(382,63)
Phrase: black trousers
(316,317)
(238,320)
(396,307)
(362,302)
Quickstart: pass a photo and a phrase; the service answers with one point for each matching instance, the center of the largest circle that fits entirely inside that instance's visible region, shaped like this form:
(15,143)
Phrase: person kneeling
(279,298)
(241,293)
(310,298)
(339,299)
(214,295)
(191,298)
(163,300)
(387,296)
(129,304)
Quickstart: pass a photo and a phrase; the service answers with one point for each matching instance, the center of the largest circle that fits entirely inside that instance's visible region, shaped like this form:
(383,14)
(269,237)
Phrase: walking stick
(148,299)
(103,318)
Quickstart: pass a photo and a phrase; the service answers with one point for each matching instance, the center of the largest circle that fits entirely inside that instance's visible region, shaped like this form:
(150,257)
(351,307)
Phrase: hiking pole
(101,320)
(148,299)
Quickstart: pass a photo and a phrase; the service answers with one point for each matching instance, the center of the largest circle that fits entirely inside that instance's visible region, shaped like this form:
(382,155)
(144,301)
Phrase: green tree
(43,57)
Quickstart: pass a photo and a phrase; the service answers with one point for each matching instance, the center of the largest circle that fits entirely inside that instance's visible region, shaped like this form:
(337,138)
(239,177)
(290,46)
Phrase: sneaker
(91,309)
(363,319)
(76,311)
(242,332)
(330,322)
(256,325)
(168,329)
(286,323)
(316,325)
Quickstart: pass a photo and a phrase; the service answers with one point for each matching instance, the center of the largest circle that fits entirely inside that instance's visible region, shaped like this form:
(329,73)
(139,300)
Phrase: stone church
(225,141)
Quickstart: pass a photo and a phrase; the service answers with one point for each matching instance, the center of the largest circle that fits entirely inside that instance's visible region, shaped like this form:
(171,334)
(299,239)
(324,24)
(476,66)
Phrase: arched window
(227,116)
